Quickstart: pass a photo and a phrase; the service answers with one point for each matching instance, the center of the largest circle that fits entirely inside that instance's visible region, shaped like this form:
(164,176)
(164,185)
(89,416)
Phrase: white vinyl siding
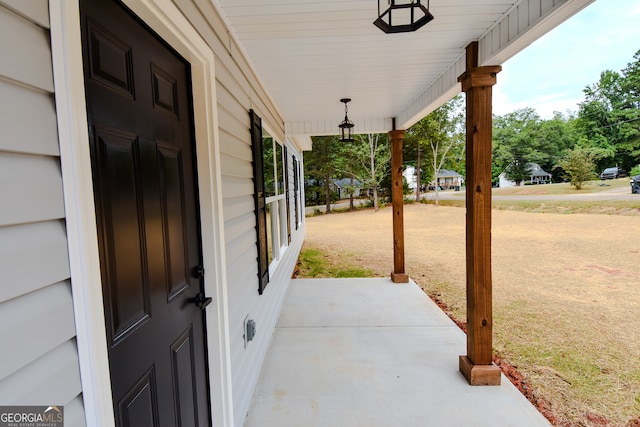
(39,361)
(237,91)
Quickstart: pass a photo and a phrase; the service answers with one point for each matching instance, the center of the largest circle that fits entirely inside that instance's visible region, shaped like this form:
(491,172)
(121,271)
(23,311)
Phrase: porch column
(397,201)
(477,366)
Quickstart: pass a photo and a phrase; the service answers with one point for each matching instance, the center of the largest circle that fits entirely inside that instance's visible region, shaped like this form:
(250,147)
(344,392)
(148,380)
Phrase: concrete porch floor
(368,352)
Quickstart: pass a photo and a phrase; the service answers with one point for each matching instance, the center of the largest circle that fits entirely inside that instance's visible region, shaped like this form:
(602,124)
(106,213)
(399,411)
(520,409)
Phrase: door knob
(201,301)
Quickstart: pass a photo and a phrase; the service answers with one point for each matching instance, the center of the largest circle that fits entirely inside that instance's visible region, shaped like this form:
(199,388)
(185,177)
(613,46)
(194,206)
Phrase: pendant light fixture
(346,126)
(402,16)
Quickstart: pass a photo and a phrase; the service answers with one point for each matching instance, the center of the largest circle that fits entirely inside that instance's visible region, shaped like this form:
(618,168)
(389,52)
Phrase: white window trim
(169,23)
(283,244)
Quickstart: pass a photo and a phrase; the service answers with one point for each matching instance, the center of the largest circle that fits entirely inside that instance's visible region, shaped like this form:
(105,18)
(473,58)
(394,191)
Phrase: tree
(609,117)
(320,165)
(522,137)
(514,137)
(579,165)
(348,165)
(412,149)
(442,132)
(607,123)
(555,137)
(629,127)
(518,170)
(597,117)
(375,161)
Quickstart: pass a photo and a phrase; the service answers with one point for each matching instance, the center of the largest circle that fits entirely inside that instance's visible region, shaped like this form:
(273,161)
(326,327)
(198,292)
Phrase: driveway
(623,193)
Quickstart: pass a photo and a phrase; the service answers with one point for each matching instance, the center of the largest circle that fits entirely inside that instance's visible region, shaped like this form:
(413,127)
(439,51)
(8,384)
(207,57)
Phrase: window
(275,196)
(295,190)
(271,202)
(286,194)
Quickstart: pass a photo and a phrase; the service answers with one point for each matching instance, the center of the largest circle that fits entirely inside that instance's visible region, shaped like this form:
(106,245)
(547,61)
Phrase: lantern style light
(403,16)
(346,126)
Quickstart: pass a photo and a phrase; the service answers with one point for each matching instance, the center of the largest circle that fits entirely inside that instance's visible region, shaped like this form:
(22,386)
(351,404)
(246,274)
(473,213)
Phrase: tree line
(572,146)
(605,132)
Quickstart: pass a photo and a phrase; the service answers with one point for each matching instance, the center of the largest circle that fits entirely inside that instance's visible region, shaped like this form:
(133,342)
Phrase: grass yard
(596,186)
(566,293)
(593,207)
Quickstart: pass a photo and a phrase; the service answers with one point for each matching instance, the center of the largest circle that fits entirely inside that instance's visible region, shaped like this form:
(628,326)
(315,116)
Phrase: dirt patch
(566,295)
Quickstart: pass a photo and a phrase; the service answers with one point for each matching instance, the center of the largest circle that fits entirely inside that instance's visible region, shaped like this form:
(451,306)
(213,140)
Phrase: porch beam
(477,82)
(397,201)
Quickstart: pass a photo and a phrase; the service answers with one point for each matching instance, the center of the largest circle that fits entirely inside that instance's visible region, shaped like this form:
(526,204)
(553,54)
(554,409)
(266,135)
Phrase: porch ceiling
(311,53)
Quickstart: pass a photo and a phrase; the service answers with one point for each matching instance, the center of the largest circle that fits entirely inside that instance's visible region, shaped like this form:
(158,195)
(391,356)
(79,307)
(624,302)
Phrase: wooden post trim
(477,365)
(397,201)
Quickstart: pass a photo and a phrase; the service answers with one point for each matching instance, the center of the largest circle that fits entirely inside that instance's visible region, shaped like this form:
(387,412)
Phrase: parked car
(635,184)
(612,173)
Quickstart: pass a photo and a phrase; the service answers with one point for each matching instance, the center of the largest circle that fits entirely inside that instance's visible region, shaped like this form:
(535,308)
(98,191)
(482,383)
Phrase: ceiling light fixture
(403,16)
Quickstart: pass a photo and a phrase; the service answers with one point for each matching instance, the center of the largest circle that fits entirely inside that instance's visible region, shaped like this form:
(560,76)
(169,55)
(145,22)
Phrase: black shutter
(286,192)
(260,201)
(295,189)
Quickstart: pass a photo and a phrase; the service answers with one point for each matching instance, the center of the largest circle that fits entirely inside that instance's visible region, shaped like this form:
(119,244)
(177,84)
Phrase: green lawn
(316,264)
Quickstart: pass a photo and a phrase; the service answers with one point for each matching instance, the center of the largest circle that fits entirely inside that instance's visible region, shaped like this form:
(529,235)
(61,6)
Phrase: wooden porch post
(477,366)
(397,201)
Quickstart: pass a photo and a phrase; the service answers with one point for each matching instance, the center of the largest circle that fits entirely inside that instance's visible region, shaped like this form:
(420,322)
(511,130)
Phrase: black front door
(143,160)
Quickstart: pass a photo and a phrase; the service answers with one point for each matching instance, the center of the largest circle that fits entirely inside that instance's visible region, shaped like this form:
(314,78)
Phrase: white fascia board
(523,24)
(301,142)
(442,90)
(330,127)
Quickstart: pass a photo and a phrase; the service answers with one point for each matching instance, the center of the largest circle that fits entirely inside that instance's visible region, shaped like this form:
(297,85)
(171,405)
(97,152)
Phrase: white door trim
(164,18)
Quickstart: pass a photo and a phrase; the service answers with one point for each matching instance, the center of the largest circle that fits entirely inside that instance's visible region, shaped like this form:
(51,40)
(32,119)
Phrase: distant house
(448,179)
(338,186)
(341,186)
(409,174)
(537,176)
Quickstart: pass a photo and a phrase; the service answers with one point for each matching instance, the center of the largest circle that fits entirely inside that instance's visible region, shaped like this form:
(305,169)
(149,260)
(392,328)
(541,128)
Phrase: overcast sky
(550,74)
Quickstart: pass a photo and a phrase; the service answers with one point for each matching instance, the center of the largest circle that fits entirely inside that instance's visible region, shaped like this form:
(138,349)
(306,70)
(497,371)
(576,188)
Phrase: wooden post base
(479,374)
(399,277)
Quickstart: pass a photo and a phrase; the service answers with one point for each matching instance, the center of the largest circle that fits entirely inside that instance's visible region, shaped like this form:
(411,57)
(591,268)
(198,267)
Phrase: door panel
(138,408)
(128,287)
(184,379)
(143,160)
(171,173)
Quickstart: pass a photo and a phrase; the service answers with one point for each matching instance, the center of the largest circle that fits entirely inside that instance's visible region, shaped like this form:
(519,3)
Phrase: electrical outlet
(248,329)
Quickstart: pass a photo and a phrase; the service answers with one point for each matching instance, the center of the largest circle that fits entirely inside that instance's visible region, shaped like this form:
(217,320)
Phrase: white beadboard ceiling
(310,53)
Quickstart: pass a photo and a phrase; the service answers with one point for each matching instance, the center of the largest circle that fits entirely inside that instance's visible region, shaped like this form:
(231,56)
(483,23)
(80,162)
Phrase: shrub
(579,166)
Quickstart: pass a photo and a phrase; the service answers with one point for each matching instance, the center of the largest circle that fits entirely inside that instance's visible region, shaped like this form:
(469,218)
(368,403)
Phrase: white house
(345,187)
(537,175)
(446,178)
(151,156)
(409,175)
